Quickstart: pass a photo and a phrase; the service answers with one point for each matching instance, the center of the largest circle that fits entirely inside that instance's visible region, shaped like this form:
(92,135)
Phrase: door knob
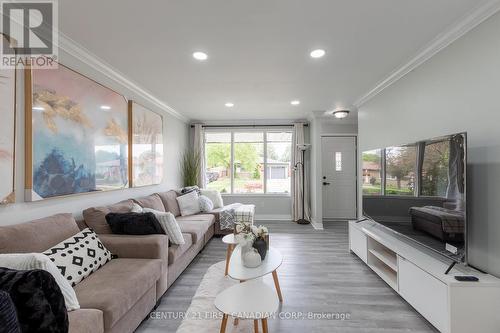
(325,183)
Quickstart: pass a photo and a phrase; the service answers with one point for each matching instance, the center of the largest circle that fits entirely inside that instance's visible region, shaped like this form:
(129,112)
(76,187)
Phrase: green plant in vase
(190,166)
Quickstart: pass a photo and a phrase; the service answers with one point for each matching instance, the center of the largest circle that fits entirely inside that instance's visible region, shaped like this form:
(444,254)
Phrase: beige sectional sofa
(118,296)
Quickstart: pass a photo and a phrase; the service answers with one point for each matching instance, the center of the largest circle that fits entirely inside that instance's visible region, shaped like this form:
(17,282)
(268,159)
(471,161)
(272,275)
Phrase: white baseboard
(316,225)
(272,217)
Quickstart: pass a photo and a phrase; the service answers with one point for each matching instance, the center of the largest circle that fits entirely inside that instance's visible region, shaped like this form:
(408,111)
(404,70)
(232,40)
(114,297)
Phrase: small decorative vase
(261,246)
(251,258)
(246,246)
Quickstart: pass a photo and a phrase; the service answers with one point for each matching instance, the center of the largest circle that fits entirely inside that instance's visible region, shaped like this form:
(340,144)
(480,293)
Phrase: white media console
(418,275)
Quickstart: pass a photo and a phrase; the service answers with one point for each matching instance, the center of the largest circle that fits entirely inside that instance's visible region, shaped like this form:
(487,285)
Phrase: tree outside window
(372,172)
(401,170)
(435,169)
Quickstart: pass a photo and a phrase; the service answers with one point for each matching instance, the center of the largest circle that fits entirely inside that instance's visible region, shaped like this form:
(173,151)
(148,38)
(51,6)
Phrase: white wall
(175,134)
(457,90)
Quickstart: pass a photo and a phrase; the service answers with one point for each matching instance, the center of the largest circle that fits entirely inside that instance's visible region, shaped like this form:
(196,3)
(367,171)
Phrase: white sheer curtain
(298,138)
(199,149)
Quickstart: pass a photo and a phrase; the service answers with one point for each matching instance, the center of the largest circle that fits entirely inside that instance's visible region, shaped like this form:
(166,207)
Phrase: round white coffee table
(270,264)
(231,243)
(252,300)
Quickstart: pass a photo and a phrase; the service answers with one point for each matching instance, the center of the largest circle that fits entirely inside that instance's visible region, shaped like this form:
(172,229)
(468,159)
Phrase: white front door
(339,177)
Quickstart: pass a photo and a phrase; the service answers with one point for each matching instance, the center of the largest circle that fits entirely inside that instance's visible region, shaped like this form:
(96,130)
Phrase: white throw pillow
(169,224)
(28,261)
(79,256)
(215,196)
(136,208)
(189,203)
(206,205)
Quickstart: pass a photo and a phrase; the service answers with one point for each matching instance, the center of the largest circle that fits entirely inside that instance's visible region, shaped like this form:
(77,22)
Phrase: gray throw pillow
(206,205)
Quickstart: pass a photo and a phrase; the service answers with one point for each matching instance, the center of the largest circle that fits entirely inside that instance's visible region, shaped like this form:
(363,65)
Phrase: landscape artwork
(79,135)
(147,146)
(7,132)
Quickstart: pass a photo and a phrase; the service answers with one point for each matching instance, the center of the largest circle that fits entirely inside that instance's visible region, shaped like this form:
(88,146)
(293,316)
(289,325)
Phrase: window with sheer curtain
(248,161)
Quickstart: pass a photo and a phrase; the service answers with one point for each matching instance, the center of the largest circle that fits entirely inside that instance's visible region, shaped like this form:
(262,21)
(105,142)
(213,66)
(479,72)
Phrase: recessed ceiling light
(340,114)
(229,105)
(319,53)
(200,56)
(105,107)
(296,102)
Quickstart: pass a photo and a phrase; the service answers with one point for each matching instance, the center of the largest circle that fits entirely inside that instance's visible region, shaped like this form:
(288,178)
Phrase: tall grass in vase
(190,166)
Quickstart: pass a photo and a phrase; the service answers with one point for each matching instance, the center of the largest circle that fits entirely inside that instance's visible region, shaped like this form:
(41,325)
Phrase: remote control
(466,278)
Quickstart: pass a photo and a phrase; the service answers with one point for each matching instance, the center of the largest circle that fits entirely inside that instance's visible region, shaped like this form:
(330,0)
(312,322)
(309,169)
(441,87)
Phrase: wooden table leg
(228,257)
(277,285)
(224,323)
(256,326)
(264,325)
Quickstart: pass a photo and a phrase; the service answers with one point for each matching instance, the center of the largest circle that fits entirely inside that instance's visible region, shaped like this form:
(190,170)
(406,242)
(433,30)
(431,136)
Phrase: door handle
(326,183)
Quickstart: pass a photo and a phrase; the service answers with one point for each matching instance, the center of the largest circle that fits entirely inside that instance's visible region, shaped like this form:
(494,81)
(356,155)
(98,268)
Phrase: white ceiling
(258,49)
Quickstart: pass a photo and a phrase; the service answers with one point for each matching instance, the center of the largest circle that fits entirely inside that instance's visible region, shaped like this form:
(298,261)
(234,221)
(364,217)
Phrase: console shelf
(387,257)
(383,261)
(386,273)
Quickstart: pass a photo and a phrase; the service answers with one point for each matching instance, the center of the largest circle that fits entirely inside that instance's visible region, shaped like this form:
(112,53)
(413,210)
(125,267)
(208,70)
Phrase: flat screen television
(418,190)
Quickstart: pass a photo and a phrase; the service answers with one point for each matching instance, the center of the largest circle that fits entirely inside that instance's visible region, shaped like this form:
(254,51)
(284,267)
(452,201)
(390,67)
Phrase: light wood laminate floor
(319,275)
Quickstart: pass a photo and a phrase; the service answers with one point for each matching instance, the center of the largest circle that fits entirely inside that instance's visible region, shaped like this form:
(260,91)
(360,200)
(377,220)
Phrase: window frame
(418,171)
(264,131)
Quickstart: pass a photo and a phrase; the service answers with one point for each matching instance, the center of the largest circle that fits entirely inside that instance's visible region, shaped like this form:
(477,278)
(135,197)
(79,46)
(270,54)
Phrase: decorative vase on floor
(261,246)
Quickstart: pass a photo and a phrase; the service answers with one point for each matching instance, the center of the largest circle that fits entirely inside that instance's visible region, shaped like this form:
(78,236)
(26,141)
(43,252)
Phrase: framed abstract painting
(146,151)
(7,131)
(76,135)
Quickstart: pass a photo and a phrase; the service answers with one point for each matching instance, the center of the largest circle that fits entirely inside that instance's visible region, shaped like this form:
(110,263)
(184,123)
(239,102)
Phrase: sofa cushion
(37,235)
(189,204)
(117,286)
(213,195)
(196,225)
(86,321)
(169,224)
(169,201)
(152,201)
(206,205)
(134,224)
(95,217)
(175,251)
(79,256)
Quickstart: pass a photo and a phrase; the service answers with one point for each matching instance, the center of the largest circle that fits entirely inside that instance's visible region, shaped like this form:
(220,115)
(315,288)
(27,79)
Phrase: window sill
(279,195)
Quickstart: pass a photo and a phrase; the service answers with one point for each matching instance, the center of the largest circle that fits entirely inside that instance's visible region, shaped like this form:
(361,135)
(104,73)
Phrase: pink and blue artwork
(80,136)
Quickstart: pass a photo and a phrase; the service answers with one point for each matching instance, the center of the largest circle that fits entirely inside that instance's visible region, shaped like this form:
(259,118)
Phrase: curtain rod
(247,126)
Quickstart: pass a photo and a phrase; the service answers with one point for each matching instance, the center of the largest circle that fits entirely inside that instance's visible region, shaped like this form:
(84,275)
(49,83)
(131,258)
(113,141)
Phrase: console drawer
(425,293)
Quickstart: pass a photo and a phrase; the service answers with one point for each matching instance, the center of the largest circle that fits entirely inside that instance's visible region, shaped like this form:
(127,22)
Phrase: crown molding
(74,49)
(444,39)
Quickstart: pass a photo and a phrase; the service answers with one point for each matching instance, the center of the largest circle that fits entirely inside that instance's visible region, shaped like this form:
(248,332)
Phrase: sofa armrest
(130,246)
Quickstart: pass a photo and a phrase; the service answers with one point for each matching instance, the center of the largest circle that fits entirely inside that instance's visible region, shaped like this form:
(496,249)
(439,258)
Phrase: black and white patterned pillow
(79,256)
